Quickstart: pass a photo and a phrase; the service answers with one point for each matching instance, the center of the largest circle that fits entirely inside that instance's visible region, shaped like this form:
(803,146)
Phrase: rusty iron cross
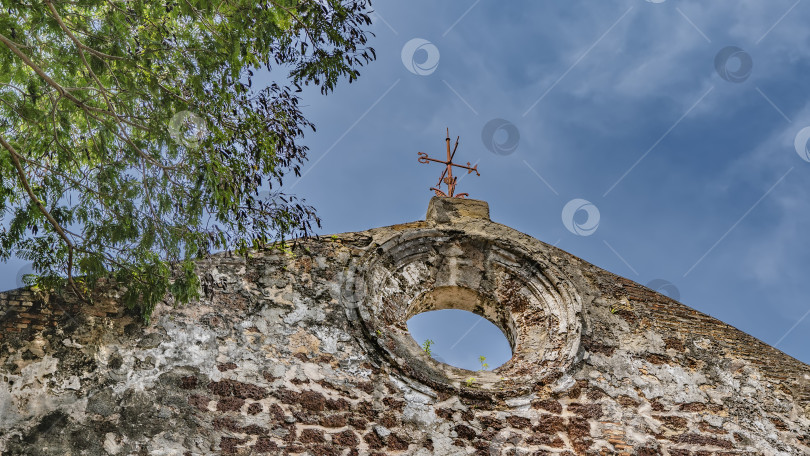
(447,175)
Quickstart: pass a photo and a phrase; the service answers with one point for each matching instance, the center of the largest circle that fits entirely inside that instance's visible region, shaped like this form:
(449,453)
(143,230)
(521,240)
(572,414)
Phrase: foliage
(426,346)
(470,381)
(484,366)
(127,125)
(623,304)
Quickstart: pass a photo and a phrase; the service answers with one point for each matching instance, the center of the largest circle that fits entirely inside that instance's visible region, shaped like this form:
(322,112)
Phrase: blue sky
(695,175)
(675,123)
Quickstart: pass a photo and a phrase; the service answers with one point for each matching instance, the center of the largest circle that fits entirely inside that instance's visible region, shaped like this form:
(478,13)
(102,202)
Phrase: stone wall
(308,353)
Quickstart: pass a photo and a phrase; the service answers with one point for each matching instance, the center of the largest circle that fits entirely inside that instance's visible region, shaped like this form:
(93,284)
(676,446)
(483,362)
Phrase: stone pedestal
(449,210)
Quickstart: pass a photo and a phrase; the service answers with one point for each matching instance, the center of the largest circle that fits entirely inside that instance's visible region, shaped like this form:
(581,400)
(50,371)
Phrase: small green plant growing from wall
(470,382)
(284,248)
(426,346)
(484,365)
(288,251)
(623,305)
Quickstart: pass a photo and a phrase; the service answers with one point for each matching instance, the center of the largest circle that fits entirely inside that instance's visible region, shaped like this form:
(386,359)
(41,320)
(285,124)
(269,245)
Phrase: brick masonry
(305,353)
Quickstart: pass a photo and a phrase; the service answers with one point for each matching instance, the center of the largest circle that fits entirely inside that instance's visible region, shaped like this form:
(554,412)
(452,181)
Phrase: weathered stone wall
(308,353)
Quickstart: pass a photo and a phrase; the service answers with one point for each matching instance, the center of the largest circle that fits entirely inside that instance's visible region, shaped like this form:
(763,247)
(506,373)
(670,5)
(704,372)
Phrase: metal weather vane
(447,175)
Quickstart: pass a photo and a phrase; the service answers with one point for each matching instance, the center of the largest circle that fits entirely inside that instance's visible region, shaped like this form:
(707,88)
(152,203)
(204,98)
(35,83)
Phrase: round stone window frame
(513,285)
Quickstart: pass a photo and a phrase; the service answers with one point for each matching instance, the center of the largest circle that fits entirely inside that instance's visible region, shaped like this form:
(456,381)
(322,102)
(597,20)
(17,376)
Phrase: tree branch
(15,158)
(56,85)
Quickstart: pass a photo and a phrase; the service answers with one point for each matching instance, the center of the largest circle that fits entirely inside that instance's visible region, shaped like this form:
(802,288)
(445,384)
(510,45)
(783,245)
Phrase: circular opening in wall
(516,287)
(461,339)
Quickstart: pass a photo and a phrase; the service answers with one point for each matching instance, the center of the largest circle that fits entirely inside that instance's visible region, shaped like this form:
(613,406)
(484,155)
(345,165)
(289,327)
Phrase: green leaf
(96,155)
